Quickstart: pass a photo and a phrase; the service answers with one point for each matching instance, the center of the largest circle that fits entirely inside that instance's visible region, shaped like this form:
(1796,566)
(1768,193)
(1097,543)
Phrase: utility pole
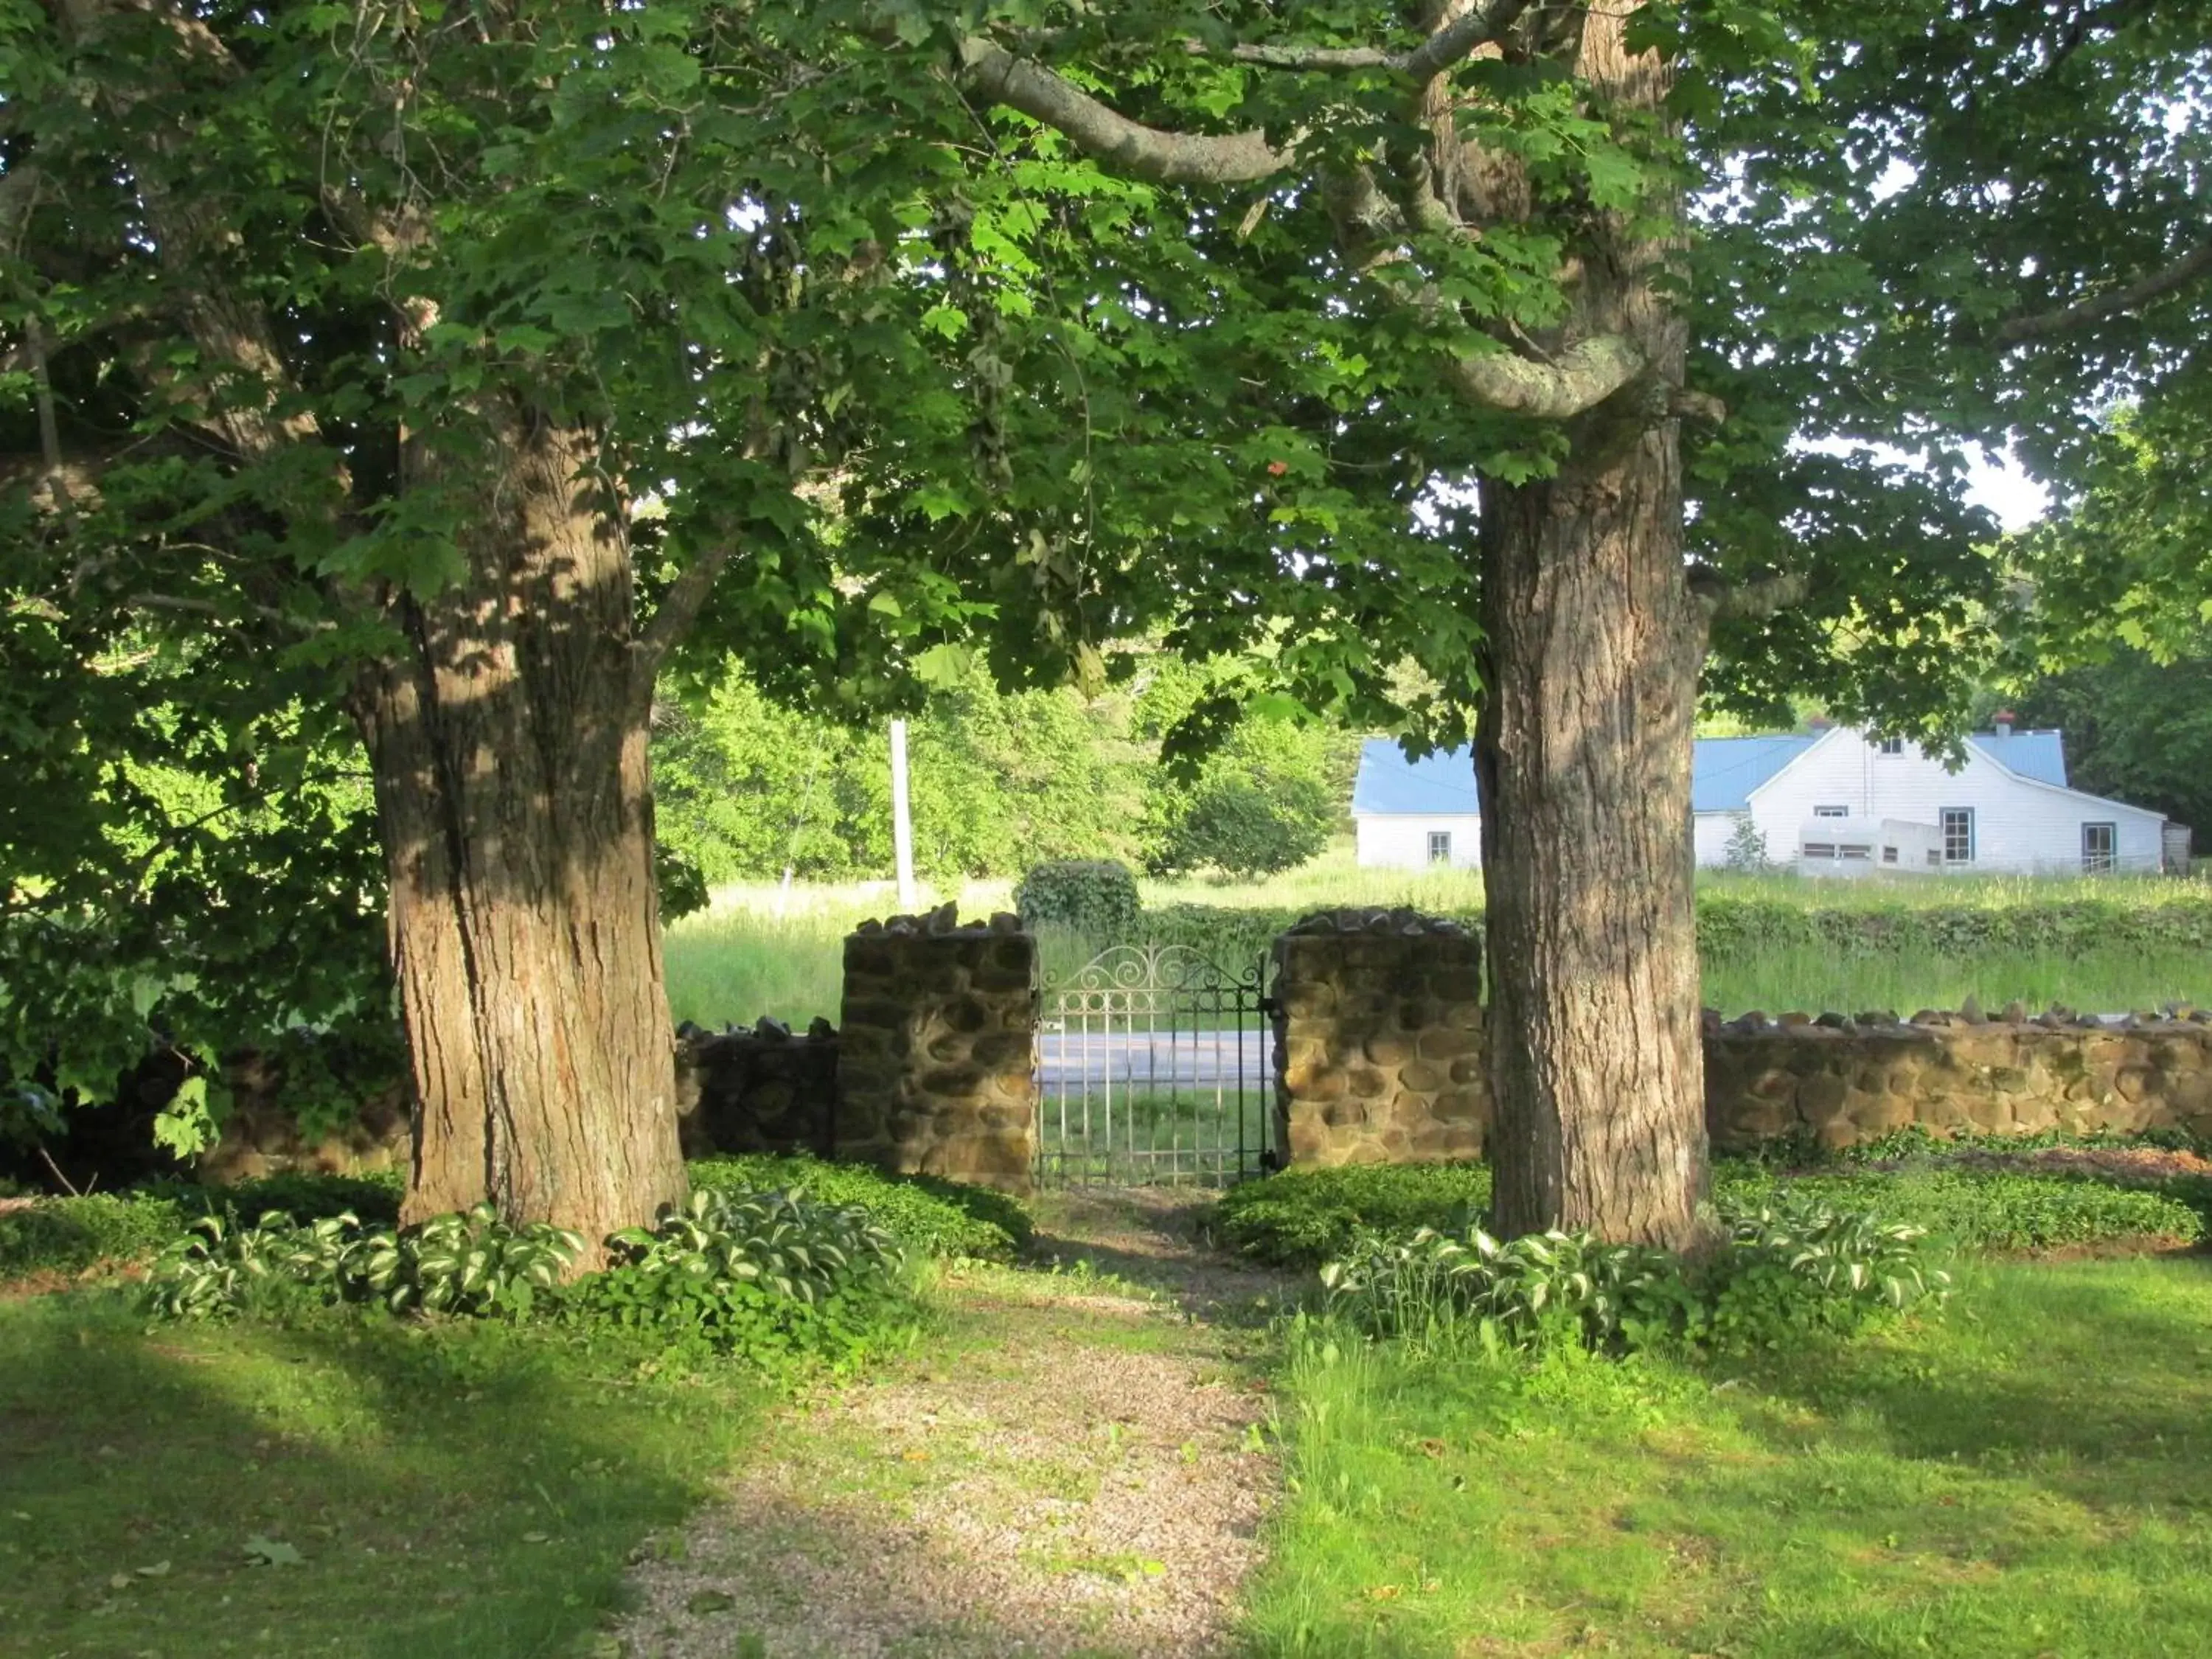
(902,822)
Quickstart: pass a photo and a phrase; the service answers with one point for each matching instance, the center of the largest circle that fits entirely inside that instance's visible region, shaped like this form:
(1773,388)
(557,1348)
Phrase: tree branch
(1701,407)
(1582,377)
(678,609)
(1134,148)
(1761,597)
(50,431)
(1458,40)
(19,196)
(2190,266)
(1452,45)
(210,610)
(1326,59)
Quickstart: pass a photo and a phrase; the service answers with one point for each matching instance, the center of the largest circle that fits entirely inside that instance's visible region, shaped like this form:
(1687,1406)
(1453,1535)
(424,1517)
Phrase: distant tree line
(998,782)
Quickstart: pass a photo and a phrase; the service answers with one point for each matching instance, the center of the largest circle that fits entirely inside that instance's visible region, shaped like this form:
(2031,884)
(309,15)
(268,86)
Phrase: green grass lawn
(2029,1473)
(473,1490)
(1804,977)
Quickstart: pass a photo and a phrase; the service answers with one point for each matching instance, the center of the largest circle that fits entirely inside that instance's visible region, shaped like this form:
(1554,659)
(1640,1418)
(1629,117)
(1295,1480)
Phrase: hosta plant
(1781,1272)
(219,1267)
(759,1275)
(1516,1292)
(471,1264)
(1801,1266)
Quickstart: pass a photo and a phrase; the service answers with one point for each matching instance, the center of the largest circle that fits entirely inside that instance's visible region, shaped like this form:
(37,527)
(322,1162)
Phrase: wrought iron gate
(1153,1068)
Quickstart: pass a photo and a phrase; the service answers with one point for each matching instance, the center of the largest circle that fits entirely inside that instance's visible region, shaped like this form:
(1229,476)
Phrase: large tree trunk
(1583,756)
(509,743)
(1594,641)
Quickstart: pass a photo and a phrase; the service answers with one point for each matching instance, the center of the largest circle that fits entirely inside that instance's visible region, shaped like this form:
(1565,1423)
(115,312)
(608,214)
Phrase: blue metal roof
(2037,755)
(1390,783)
(1723,771)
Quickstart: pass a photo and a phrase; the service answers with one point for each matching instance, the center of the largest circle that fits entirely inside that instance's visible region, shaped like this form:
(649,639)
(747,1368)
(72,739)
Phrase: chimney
(2002,720)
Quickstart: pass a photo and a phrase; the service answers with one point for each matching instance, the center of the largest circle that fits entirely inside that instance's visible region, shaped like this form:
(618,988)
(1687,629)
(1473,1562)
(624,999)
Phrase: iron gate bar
(1090,1027)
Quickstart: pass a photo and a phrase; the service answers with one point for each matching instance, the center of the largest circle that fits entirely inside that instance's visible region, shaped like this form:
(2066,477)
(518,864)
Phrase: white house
(2008,808)
(1408,815)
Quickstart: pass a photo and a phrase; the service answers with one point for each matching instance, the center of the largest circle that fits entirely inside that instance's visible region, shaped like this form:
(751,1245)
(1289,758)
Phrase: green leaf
(264,1552)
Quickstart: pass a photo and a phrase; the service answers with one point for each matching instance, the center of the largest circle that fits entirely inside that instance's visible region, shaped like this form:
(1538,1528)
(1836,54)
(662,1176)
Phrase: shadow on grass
(1156,1238)
(2097,1375)
(476,1491)
(2027,1475)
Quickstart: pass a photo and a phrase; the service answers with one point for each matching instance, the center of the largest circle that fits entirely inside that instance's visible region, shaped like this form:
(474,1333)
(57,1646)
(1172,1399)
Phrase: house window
(1958,835)
(1831,811)
(2101,844)
(1819,849)
(1934,860)
(1855,850)
(1889,855)
(1440,847)
(1889,745)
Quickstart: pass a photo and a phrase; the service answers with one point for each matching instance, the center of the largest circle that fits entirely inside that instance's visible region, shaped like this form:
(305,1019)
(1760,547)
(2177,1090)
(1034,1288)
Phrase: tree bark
(1594,645)
(1583,753)
(508,742)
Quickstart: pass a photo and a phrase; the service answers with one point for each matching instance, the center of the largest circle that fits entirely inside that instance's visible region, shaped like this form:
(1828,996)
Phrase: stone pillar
(1379,1039)
(934,1051)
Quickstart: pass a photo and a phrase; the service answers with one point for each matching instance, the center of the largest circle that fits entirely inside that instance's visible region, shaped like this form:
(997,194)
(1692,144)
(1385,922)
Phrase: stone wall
(261,1135)
(1379,1039)
(758,1089)
(934,1047)
(1842,1080)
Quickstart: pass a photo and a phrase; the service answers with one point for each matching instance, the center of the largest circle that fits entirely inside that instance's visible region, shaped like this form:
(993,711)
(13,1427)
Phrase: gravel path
(1072,1466)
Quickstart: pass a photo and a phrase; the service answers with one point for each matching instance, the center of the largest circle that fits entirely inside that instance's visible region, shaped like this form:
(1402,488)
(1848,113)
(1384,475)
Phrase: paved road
(1154,1059)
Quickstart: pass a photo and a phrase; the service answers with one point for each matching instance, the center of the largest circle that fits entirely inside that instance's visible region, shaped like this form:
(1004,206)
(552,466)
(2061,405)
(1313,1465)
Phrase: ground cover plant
(928,1214)
(2022,1475)
(1305,1216)
(65,1236)
(70,1235)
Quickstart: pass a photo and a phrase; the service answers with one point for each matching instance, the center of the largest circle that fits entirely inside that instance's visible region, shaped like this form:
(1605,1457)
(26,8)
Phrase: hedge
(2137,915)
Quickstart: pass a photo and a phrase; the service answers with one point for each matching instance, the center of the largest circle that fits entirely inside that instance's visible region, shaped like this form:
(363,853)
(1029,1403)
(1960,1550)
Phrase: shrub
(927,1215)
(1784,1272)
(1246,826)
(1746,846)
(760,1276)
(755,1275)
(2151,916)
(1799,1266)
(1096,897)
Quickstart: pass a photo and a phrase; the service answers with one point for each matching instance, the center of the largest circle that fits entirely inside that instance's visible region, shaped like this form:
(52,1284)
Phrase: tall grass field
(2125,943)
